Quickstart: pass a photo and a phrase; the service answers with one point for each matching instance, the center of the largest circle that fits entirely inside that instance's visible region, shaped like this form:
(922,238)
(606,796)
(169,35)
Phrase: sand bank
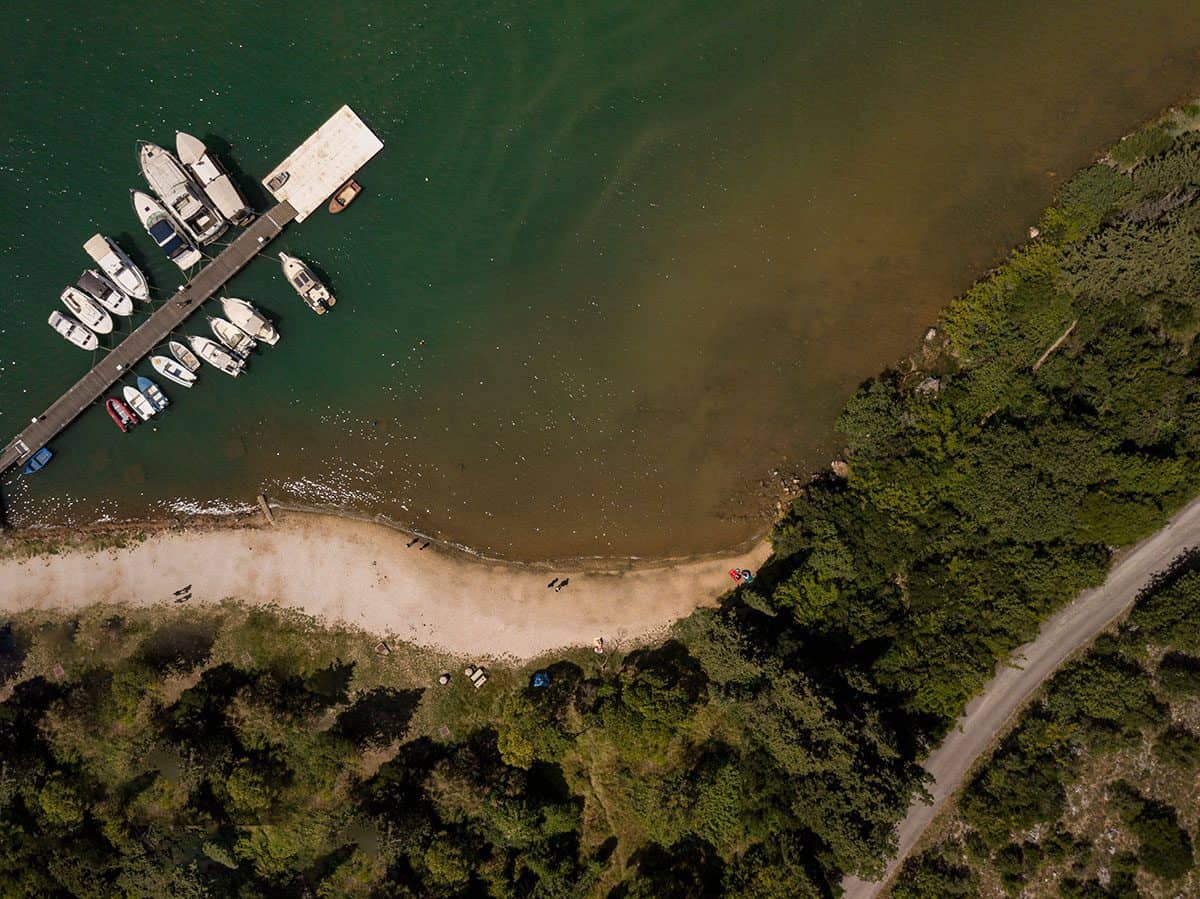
(363,574)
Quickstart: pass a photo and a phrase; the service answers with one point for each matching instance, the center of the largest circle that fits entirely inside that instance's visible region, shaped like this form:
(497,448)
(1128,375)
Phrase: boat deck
(151,333)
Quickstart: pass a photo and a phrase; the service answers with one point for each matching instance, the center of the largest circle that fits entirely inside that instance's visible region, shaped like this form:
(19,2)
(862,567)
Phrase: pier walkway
(149,334)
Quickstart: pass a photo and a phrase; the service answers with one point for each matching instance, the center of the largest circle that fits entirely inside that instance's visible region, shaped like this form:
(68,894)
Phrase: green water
(616,263)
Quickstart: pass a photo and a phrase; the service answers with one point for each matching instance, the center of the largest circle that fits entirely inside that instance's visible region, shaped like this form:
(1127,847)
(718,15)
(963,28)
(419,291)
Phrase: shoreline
(43,538)
(363,574)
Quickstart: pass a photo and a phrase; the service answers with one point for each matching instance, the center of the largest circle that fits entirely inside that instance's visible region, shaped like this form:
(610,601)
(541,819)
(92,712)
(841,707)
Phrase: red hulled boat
(120,413)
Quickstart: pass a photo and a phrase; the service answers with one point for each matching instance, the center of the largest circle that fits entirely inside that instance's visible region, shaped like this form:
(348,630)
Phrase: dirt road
(989,713)
(365,574)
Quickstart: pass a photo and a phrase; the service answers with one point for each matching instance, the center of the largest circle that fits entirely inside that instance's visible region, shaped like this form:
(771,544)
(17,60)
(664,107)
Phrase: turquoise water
(616,263)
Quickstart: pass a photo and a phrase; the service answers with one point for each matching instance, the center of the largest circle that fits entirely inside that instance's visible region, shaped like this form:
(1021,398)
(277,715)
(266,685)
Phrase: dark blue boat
(38,460)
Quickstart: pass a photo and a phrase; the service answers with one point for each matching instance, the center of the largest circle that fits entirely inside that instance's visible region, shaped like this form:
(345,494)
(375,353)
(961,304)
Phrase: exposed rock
(929,385)
(840,468)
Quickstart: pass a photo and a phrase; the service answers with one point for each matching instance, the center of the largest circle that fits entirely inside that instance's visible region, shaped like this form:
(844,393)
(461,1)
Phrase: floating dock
(326,160)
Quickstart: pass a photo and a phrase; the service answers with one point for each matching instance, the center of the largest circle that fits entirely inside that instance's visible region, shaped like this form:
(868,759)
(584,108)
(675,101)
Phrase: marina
(342,149)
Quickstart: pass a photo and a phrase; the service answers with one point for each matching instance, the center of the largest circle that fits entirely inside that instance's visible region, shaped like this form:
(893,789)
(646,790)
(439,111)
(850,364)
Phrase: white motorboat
(181,195)
(305,283)
(87,310)
(116,265)
(165,231)
(103,292)
(232,336)
(250,320)
(217,356)
(184,356)
(213,179)
(73,331)
(138,403)
(173,371)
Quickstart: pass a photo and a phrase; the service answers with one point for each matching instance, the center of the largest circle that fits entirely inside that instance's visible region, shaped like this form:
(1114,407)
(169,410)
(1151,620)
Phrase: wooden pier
(151,333)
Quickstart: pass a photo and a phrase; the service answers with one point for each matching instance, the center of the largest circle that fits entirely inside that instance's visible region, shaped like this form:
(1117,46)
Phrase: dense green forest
(763,750)
(1093,795)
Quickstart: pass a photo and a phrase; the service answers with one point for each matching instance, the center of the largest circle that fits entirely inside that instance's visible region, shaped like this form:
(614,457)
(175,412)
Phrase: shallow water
(616,263)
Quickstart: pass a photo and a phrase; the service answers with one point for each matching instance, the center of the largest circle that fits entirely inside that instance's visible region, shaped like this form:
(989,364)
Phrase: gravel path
(989,714)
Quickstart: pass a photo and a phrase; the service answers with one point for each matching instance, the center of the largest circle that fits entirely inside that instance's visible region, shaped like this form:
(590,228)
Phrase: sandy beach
(364,574)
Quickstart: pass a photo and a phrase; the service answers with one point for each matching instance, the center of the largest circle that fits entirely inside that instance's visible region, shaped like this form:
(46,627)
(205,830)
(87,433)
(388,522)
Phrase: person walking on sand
(564,583)
(552,583)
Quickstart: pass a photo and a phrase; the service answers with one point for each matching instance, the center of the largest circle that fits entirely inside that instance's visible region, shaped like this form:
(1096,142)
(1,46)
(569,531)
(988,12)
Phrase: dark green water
(616,262)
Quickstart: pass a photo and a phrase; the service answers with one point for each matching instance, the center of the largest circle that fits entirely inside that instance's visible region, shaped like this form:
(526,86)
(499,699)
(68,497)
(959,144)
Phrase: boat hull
(217,356)
(173,371)
(232,336)
(88,311)
(250,320)
(115,264)
(151,392)
(73,330)
(213,180)
(138,403)
(38,460)
(121,414)
(104,292)
(184,356)
(165,231)
(346,195)
(180,194)
(315,294)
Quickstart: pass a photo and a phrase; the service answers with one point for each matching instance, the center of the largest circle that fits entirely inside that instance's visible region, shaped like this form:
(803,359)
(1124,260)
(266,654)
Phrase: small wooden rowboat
(345,196)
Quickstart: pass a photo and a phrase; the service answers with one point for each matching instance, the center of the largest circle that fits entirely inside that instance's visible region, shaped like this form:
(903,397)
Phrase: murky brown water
(611,270)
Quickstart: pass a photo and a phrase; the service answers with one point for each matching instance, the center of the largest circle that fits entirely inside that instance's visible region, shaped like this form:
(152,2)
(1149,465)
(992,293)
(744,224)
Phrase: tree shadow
(14,645)
(1187,562)
(673,663)
(689,869)
(331,685)
(379,716)
(179,645)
